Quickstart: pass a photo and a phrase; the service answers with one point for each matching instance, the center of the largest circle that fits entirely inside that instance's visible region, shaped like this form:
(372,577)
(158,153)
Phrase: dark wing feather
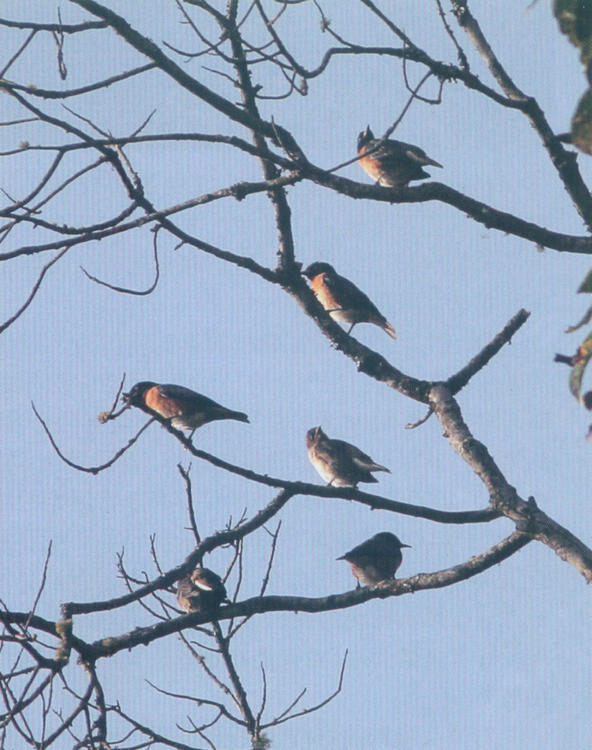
(185,396)
(350,451)
(393,152)
(349,296)
(413,153)
(388,150)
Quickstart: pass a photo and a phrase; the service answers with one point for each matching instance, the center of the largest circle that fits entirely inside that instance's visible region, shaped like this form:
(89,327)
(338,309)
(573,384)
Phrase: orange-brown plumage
(166,407)
(343,300)
(186,409)
(392,163)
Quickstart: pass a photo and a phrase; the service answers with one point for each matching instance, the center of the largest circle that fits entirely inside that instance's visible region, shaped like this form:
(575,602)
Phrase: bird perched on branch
(392,163)
(200,591)
(186,409)
(343,300)
(339,463)
(375,560)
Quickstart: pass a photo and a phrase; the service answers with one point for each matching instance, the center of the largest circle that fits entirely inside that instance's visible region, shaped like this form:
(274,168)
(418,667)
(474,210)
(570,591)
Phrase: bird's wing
(207,580)
(417,154)
(185,396)
(392,152)
(360,553)
(388,151)
(349,296)
(363,460)
(349,451)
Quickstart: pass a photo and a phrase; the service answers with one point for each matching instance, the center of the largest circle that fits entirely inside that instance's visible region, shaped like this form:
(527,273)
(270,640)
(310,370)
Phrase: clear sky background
(500,661)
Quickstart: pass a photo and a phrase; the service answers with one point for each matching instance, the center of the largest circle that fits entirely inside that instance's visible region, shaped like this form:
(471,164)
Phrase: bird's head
(316,268)
(314,435)
(365,137)
(389,540)
(135,396)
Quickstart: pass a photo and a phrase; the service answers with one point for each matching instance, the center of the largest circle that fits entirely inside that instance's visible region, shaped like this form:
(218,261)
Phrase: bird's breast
(166,407)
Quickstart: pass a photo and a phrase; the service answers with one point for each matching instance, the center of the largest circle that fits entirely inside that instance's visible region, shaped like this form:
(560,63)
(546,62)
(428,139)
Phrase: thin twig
(34,291)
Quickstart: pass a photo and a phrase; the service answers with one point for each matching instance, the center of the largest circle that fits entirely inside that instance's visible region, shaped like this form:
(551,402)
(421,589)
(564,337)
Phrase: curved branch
(53,94)
(147,47)
(563,161)
(125,290)
(484,214)
(504,498)
(259,605)
(44,180)
(89,469)
(458,381)
(283,717)
(65,28)
(34,290)
(207,545)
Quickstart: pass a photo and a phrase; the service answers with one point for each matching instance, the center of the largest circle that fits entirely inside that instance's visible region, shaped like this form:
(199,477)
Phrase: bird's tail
(223,413)
(238,415)
(387,327)
(378,467)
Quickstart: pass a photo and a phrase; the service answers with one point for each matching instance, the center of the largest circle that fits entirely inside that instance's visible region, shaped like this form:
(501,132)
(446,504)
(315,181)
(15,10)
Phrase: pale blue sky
(500,661)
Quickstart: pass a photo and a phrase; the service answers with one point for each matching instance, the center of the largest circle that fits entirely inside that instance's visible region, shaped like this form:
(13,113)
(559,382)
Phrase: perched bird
(375,560)
(186,409)
(200,591)
(339,463)
(392,163)
(343,300)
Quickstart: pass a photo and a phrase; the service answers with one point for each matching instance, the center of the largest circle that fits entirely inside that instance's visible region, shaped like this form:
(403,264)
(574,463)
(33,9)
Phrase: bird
(339,463)
(375,560)
(186,409)
(200,591)
(392,163)
(343,300)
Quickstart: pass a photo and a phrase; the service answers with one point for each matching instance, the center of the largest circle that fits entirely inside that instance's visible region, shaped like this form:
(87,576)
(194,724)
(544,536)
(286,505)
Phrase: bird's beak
(407,545)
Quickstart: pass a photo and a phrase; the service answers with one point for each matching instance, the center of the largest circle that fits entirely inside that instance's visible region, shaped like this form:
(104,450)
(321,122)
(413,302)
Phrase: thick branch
(462,377)
(64,28)
(490,217)
(564,161)
(259,605)
(504,498)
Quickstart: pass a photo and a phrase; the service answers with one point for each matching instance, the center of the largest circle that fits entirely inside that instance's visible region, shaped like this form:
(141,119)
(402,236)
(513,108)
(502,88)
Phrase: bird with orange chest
(186,409)
(200,591)
(376,560)
(342,299)
(339,463)
(392,163)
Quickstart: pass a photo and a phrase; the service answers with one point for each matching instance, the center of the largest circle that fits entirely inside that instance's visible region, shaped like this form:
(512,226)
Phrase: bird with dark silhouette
(186,409)
(342,299)
(375,560)
(339,463)
(200,591)
(392,163)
